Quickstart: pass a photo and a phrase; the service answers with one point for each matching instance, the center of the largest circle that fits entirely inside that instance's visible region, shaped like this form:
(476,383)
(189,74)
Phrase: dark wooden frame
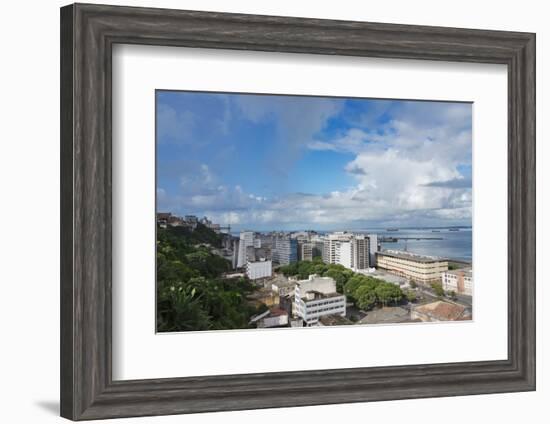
(88,33)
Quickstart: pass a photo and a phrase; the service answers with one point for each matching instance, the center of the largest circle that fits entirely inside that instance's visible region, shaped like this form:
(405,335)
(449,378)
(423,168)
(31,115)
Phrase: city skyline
(267,162)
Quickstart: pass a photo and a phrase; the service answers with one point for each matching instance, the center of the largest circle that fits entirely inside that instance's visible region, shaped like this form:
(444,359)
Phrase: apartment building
(305,251)
(459,281)
(350,250)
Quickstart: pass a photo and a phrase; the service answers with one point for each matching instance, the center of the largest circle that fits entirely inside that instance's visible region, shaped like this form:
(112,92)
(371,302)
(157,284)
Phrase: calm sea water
(452,244)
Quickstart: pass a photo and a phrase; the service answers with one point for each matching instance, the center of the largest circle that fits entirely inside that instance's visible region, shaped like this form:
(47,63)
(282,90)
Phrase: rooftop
(443,311)
(277,312)
(411,256)
(328,320)
(466,271)
(318,295)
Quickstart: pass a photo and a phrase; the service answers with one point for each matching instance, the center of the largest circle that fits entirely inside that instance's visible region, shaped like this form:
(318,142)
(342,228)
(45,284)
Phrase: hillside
(191,294)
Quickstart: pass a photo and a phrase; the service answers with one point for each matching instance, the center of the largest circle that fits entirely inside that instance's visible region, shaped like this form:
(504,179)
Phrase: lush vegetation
(365,291)
(303,269)
(438,289)
(191,293)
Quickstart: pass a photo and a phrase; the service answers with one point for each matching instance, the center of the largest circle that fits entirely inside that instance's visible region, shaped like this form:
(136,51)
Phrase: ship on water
(392,229)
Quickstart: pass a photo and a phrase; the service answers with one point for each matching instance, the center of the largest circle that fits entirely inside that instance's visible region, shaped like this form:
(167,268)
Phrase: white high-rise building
(335,241)
(350,250)
(246,239)
(343,253)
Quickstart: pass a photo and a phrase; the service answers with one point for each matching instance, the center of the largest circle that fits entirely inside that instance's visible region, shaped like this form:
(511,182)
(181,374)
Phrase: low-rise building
(258,269)
(265,296)
(439,311)
(419,268)
(277,317)
(283,287)
(317,297)
(459,281)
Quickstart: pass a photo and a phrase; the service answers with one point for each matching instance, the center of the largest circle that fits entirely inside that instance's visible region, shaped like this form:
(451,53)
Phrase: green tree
(191,295)
(388,292)
(411,295)
(339,277)
(438,289)
(353,284)
(365,296)
(179,309)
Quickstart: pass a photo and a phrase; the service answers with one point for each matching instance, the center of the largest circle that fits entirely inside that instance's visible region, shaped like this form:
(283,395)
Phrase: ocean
(452,244)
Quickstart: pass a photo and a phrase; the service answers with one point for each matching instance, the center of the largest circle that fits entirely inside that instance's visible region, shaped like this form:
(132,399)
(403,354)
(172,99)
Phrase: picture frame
(88,33)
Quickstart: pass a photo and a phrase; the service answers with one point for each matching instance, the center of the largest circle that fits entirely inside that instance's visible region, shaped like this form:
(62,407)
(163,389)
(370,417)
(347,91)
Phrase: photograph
(292,211)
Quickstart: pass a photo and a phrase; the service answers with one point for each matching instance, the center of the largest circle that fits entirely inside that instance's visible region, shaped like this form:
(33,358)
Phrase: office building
(318,246)
(317,297)
(360,251)
(284,250)
(305,251)
(418,268)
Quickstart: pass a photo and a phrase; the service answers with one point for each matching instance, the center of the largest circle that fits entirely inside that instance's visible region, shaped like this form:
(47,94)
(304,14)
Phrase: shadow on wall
(51,406)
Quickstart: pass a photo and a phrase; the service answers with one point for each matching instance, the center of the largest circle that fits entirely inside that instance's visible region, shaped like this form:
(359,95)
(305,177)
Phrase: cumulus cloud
(407,166)
(454,183)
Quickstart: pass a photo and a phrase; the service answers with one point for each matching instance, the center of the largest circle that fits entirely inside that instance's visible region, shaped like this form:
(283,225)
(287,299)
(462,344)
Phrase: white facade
(343,253)
(259,269)
(350,250)
(459,281)
(317,297)
(246,239)
(278,320)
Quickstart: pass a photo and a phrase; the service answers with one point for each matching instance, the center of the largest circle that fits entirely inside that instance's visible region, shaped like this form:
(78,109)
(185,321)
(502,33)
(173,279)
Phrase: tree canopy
(365,291)
(191,293)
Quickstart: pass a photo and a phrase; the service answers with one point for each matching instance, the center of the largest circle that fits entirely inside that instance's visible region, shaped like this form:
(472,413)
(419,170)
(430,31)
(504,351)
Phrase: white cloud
(406,170)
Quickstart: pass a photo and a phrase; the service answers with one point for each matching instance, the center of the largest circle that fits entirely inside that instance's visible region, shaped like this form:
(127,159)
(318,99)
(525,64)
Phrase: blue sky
(268,162)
